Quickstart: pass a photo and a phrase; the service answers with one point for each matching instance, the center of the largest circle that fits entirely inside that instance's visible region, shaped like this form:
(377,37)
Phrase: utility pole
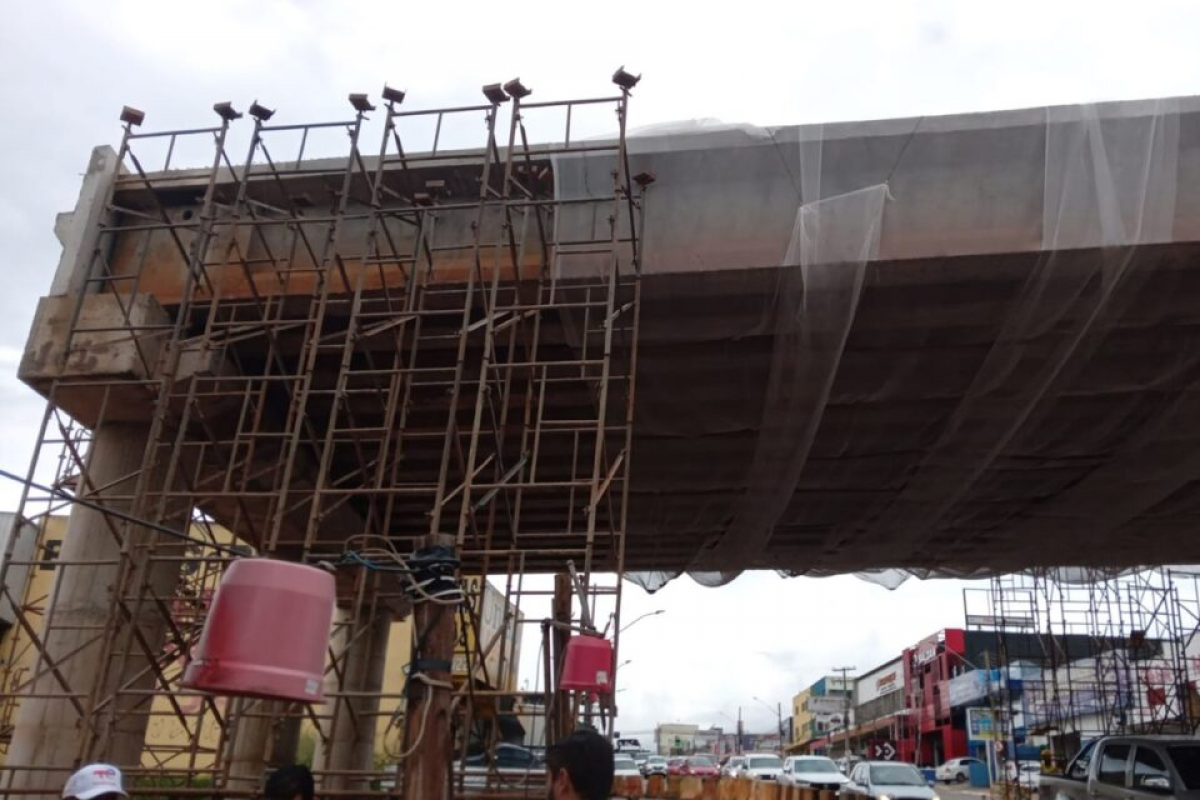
(779,711)
(739,733)
(848,694)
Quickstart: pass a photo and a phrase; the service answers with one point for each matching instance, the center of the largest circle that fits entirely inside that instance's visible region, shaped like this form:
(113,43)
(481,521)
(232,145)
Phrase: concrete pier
(50,731)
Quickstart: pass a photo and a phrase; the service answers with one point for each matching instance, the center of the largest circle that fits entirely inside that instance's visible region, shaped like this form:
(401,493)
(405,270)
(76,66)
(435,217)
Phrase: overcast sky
(68,68)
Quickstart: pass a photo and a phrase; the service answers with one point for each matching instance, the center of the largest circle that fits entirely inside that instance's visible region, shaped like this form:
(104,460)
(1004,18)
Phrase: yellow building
(168,741)
(802,719)
(18,656)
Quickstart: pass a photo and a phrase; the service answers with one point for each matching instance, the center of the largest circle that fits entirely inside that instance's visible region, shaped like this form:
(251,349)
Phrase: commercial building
(822,709)
(713,742)
(675,739)
(934,733)
(879,713)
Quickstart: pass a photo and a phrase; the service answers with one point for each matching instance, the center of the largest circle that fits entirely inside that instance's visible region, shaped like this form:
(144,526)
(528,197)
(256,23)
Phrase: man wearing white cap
(95,782)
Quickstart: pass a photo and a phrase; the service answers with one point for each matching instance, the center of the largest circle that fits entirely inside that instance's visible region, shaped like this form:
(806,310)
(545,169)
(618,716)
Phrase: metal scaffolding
(1084,652)
(340,362)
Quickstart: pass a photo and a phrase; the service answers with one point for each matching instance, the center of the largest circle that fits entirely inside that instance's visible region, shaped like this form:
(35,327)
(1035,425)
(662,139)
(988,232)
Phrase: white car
(733,767)
(1027,773)
(655,765)
(818,772)
(627,778)
(956,770)
(761,767)
(886,780)
(846,763)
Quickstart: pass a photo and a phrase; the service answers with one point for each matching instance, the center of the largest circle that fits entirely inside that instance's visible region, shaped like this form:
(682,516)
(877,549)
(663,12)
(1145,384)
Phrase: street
(960,791)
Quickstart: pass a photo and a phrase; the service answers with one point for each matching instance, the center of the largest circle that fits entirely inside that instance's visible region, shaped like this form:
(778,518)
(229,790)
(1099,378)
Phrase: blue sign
(966,688)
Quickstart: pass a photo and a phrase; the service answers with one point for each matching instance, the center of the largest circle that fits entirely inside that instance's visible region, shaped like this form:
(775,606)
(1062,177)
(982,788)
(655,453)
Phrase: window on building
(1113,760)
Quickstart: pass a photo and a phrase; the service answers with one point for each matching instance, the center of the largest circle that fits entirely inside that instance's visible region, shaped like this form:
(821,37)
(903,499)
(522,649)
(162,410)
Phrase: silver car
(818,772)
(654,765)
(886,780)
(761,767)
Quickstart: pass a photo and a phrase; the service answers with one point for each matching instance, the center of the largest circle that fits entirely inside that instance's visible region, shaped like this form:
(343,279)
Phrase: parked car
(1025,773)
(512,768)
(956,770)
(732,767)
(654,765)
(847,762)
(818,772)
(700,767)
(627,778)
(893,780)
(761,767)
(1129,768)
(675,766)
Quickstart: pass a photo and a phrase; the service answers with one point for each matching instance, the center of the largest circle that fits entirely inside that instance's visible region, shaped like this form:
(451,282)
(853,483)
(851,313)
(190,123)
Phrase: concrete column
(247,749)
(351,740)
(49,733)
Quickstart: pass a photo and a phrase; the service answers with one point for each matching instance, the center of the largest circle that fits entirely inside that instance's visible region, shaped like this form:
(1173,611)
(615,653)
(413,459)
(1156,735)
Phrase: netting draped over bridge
(979,340)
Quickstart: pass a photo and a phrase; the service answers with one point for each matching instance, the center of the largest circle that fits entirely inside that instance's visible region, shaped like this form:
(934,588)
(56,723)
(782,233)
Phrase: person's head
(95,782)
(580,767)
(293,782)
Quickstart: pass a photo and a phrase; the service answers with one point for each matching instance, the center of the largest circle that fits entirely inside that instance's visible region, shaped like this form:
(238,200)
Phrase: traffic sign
(883,751)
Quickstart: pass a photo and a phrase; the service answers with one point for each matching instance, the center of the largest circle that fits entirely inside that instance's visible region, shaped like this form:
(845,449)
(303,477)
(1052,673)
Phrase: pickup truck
(1129,768)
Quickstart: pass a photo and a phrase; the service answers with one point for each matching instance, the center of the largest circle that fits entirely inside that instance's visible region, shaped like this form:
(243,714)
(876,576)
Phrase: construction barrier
(630,786)
(766,790)
(826,794)
(691,788)
(808,793)
(711,789)
(673,787)
(657,787)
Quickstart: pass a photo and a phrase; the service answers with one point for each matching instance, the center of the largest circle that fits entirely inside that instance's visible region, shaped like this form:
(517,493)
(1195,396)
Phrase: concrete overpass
(979,354)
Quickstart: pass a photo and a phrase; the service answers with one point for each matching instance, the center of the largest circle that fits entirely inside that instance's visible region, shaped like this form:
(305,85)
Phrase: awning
(866,728)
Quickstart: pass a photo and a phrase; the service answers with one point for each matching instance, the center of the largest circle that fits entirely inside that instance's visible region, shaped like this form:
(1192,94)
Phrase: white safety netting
(1046,396)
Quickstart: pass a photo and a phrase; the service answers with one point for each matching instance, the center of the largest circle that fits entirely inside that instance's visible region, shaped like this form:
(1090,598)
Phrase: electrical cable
(121,515)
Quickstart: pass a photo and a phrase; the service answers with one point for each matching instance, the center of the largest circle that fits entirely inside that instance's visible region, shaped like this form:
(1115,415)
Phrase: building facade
(675,739)
(880,715)
(935,734)
(820,711)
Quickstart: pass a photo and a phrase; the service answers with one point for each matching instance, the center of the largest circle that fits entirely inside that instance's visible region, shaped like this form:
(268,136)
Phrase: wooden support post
(427,715)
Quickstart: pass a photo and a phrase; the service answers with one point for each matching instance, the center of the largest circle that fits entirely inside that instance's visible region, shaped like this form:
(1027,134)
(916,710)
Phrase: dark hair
(288,782)
(588,759)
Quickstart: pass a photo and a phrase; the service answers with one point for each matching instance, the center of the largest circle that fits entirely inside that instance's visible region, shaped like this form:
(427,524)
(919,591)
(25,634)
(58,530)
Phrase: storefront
(937,732)
(882,727)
